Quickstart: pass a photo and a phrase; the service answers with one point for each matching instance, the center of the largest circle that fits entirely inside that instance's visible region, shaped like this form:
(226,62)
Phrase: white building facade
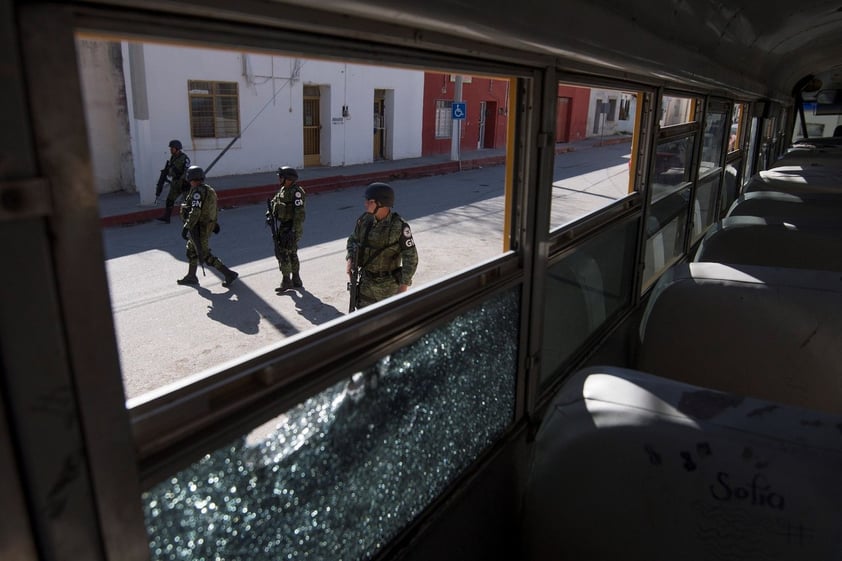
(271,111)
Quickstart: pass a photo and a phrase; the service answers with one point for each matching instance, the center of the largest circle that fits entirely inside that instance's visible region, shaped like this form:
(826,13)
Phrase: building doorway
(481,126)
(312,126)
(562,124)
(379,141)
(489,133)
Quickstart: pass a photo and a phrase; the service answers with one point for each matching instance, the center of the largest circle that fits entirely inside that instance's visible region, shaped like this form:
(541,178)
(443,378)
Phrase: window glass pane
(712,141)
(672,170)
(594,131)
(228,124)
(584,290)
(201,117)
(677,111)
(736,133)
(665,228)
(214,109)
(752,142)
(339,475)
(704,207)
(444,119)
(730,185)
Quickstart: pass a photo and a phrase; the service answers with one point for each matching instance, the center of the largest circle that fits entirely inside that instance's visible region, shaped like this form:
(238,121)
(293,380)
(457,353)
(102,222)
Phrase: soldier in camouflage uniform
(176,169)
(385,250)
(288,209)
(200,214)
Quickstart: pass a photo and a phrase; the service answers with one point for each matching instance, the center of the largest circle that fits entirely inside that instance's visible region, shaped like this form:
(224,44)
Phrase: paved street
(168,332)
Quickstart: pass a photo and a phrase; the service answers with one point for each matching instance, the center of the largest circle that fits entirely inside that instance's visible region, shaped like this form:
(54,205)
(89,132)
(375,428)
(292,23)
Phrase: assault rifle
(161,180)
(273,225)
(354,281)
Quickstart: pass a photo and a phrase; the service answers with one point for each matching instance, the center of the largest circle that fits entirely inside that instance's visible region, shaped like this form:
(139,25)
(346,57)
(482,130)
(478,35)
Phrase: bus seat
(818,142)
(837,132)
(788,206)
(826,155)
(752,240)
(796,180)
(730,186)
(631,466)
(769,332)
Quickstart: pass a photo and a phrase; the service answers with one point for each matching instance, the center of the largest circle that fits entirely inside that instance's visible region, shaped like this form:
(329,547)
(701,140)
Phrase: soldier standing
(175,169)
(382,244)
(287,207)
(200,214)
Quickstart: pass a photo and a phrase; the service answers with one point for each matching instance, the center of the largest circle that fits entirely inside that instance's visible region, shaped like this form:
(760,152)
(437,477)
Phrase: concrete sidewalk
(123,208)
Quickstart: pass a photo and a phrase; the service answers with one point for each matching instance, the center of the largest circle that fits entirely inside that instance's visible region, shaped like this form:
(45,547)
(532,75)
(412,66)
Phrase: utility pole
(456,129)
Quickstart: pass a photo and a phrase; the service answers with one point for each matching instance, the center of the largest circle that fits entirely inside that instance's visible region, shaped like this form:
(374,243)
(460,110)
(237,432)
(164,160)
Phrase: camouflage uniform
(288,208)
(199,213)
(178,166)
(386,253)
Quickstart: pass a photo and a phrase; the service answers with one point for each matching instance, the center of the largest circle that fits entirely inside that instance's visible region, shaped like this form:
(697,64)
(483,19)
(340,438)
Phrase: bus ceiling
(763,48)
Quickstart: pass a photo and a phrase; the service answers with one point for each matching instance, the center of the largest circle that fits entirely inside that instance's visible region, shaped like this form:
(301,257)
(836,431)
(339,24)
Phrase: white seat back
(635,467)
(751,240)
(773,333)
(788,206)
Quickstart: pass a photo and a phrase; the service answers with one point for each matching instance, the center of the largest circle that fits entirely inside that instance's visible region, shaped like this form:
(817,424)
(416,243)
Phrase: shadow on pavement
(312,308)
(244,312)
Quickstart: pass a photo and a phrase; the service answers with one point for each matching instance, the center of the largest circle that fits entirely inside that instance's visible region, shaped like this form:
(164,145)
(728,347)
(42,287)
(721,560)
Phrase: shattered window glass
(341,474)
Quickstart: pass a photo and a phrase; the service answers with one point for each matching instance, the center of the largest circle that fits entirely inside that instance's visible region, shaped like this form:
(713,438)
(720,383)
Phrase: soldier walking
(286,216)
(381,249)
(175,168)
(199,213)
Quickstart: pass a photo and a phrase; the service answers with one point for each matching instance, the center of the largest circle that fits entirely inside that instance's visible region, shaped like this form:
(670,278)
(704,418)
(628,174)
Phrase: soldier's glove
(286,239)
(185,233)
(216,228)
(269,217)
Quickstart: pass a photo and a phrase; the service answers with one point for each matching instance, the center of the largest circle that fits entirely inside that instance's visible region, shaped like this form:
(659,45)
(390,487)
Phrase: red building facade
(572,113)
(484,126)
(486,101)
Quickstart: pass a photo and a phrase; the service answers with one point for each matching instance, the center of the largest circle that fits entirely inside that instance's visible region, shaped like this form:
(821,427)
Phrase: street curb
(234,197)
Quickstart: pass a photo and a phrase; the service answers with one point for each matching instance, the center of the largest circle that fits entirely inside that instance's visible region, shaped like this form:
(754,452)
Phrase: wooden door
(312,127)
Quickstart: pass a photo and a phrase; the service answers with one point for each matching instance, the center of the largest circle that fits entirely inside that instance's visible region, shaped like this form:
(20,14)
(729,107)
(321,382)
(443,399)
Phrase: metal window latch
(25,198)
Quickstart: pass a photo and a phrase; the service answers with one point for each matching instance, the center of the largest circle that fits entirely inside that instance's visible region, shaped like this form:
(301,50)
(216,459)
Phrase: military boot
(167,214)
(296,280)
(286,284)
(190,278)
(230,276)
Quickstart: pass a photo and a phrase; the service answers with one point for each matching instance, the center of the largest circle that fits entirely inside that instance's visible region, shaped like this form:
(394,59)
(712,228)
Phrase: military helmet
(382,193)
(195,172)
(175,144)
(287,172)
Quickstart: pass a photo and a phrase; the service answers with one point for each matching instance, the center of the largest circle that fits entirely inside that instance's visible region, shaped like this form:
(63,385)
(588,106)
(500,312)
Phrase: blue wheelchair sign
(458,110)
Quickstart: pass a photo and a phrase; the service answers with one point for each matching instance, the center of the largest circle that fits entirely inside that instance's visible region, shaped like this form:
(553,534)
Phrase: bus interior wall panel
(80,280)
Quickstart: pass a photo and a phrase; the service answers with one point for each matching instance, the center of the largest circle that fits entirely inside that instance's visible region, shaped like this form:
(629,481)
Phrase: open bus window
(829,102)
(438,138)
(677,110)
(738,120)
(593,150)
(712,141)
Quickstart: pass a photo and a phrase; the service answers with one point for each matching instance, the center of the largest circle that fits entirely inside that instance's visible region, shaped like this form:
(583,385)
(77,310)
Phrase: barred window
(444,120)
(214,109)
(612,109)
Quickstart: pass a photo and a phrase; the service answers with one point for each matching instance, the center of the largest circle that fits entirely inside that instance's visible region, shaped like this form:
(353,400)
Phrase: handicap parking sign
(458,110)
